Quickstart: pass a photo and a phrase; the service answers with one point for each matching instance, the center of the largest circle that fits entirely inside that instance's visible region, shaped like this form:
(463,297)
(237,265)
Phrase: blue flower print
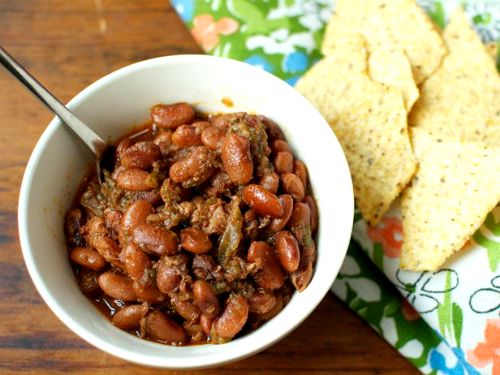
(437,362)
(295,62)
(185,8)
(260,62)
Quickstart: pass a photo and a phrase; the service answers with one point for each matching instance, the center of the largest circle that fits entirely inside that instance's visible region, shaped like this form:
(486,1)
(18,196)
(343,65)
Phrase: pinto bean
(186,136)
(314,213)
(129,317)
(88,258)
(185,307)
(140,155)
(270,182)
(261,302)
(117,286)
(155,240)
(148,292)
(275,310)
(283,162)
(206,323)
(279,223)
(300,222)
(299,168)
(270,275)
(302,277)
(164,141)
(195,241)
(172,115)
(161,328)
(194,169)
(293,185)
(135,180)
(288,250)
(134,215)
(262,201)
(97,236)
(213,137)
(233,317)
(137,264)
(237,159)
(170,272)
(225,120)
(205,298)
(280,145)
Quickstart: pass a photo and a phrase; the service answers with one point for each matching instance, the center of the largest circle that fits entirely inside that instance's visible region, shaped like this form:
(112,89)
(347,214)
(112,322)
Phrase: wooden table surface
(68,45)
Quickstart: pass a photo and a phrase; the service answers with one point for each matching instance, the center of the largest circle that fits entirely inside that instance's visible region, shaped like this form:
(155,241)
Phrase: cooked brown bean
(170,271)
(186,136)
(185,307)
(193,169)
(195,241)
(275,310)
(205,298)
(236,158)
(299,168)
(261,302)
(88,258)
(137,264)
(213,137)
(122,146)
(97,236)
(134,215)
(300,222)
(279,223)
(270,182)
(302,277)
(293,185)
(314,213)
(270,275)
(206,323)
(172,115)
(148,292)
(283,162)
(112,220)
(129,317)
(262,201)
(164,141)
(225,120)
(280,145)
(273,130)
(140,155)
(87,281)
(159,327)
(117,286)
(233,317)
(136,179)
(288,250)
(155,240)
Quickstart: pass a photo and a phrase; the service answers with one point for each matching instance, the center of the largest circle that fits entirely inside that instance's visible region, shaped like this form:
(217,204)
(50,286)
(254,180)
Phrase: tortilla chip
(369,119)
(463,97)
(390,23)
(391,67)
(456,186)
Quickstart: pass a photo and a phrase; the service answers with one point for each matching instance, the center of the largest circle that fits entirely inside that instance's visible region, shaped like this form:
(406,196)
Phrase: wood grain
(68,45)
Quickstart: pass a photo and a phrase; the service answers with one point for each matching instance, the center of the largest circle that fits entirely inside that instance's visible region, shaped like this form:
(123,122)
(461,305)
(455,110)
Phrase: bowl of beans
(219,225)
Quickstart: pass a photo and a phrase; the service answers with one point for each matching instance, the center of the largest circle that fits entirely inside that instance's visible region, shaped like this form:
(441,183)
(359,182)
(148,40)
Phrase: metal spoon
(102,151)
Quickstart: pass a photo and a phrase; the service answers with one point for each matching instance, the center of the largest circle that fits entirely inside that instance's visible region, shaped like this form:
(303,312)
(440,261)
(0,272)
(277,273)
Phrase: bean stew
(201,232)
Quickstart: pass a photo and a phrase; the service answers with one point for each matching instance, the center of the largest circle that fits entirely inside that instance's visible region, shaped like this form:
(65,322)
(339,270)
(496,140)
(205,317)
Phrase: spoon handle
(95,143)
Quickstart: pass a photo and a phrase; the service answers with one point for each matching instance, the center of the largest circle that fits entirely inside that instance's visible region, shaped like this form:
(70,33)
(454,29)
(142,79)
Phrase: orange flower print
(488,351)
(408,311)
(389,233)
(206,30)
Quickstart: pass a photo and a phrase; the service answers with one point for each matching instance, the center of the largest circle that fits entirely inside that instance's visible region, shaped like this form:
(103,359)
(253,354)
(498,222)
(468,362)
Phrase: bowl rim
(205,361)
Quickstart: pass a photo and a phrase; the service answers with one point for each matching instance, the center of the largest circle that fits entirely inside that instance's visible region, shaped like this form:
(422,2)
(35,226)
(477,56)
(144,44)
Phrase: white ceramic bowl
(122,99)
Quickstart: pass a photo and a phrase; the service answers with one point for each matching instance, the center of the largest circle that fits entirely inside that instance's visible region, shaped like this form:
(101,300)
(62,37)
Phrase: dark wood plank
(68,45)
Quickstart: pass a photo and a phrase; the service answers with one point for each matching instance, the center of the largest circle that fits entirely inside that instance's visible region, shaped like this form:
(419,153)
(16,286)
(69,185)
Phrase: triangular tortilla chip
(463,97)
(369,119)
(396,23)
(456,186)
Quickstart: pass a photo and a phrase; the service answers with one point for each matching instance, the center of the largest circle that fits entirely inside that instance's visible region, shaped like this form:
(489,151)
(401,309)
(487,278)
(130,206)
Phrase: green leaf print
(255,20)
(492,249)
(492,225)
(378,255)
(445,311)
(457,322)
(438,14)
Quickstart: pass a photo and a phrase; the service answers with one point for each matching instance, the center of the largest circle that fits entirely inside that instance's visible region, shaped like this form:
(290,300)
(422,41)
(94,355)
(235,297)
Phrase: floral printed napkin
(448,321)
